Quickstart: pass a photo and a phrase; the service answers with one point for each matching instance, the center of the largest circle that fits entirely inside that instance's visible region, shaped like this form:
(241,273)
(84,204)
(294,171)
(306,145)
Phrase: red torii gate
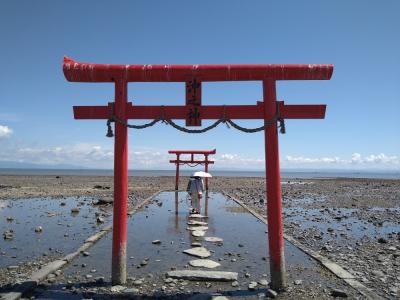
(193,112)
(179,161)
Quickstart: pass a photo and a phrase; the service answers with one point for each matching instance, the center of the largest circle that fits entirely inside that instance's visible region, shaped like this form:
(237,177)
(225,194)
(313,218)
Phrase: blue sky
(362,125)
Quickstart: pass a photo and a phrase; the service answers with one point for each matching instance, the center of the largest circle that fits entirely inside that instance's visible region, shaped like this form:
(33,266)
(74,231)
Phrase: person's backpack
(189,184)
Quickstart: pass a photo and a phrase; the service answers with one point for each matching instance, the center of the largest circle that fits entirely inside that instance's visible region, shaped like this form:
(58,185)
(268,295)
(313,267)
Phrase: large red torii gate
(193,112)
(178,161)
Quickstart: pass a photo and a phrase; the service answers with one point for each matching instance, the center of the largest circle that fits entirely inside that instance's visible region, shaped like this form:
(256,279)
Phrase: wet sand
(354,222)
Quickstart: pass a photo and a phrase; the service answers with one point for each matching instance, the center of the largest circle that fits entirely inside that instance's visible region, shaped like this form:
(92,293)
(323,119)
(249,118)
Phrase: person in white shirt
(195,190)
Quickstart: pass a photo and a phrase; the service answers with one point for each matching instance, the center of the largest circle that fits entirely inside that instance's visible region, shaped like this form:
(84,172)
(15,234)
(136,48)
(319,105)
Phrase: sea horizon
(285,173)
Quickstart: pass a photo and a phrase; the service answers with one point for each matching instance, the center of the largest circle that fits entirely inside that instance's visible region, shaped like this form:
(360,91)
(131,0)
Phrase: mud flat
(354,222)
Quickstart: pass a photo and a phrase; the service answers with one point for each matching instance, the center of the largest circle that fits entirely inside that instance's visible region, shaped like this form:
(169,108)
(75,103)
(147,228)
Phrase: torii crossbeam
(178,161)
(193,112)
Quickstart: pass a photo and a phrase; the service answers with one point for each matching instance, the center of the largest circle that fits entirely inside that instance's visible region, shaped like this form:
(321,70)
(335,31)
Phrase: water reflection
(168,224)
(206,204)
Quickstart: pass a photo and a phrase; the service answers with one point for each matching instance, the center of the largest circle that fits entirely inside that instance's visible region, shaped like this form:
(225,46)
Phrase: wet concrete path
(244,250)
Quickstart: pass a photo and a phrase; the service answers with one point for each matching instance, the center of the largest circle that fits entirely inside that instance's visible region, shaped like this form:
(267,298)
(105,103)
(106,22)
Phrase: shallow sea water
(244,248)
(63,231)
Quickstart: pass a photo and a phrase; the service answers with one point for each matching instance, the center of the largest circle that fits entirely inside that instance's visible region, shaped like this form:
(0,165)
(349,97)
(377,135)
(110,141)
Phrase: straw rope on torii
(228,122)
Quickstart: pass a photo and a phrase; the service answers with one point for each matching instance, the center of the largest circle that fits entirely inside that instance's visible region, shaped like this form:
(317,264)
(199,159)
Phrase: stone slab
(197,216)
(199,223)
(198,233)
(204,263)
(198,252)
(203,275)
(213,239)
(192,228)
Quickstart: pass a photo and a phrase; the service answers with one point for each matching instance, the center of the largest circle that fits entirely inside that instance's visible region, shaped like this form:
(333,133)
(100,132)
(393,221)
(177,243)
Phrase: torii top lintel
(205,152)
(87,72)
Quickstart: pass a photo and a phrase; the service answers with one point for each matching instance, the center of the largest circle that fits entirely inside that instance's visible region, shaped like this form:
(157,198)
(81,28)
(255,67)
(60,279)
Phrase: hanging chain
(192,165)
(228,122)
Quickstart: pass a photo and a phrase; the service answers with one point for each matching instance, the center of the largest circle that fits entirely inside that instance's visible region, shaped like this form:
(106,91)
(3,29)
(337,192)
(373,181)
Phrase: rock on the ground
(198,233)
(195,244)
(117,288)
(213,239)
(252,285)
(197,216)
(138,282)
(199,223)
(198,252)
(204,263)
(200,228)
(203,275)
(382,240)
(75,210)
(104,201)
(271,293)
(263,282)
(131,291)
(8,234)
(338,293)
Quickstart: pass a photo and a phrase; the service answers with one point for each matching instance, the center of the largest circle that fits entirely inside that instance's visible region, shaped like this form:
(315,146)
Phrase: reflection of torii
(177,208)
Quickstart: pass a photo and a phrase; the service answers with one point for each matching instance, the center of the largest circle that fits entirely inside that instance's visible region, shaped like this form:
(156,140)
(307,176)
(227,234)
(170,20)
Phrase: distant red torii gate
(179,161)
(193,112)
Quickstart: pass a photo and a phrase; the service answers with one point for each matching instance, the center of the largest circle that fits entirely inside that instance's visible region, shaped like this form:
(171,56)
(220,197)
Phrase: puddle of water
(244,248)
(343,221)
(63,231)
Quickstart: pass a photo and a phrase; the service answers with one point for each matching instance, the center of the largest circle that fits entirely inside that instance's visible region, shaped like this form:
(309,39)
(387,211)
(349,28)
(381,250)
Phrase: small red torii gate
(193,112)
(179,161)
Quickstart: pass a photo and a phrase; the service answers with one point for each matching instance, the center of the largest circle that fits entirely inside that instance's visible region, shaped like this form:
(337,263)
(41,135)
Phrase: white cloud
(356,161)
(313,160)
(96,156)
(83,155)
(235,161)
(5,131)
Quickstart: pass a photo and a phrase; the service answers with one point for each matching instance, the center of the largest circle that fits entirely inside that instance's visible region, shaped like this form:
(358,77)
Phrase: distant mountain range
(32,166)
(24,165)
